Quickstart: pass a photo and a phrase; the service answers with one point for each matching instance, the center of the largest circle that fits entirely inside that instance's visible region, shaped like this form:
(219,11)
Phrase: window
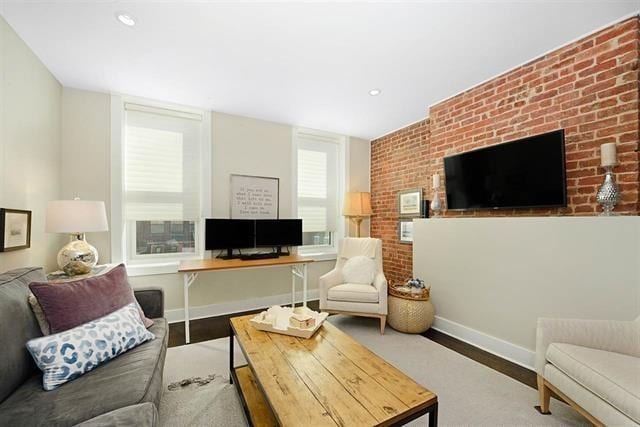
(161,154)
(318,182)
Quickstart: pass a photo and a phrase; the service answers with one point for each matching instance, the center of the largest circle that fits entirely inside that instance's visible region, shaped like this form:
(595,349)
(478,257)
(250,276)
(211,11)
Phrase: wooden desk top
(212,264)
(329,379)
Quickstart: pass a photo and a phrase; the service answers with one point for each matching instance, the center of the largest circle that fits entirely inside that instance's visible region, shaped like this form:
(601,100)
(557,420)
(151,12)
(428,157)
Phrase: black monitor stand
(229,255)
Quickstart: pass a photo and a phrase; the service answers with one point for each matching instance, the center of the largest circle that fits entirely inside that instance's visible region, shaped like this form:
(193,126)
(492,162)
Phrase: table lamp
(357,206)
(76,217)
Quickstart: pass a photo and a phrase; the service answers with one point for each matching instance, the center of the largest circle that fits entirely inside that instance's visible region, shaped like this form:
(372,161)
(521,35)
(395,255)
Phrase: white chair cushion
(360,270)
(613,377)
(353,292)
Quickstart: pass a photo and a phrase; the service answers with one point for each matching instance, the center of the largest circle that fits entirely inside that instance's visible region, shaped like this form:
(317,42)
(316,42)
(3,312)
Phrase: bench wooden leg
(544,394)
(383,322)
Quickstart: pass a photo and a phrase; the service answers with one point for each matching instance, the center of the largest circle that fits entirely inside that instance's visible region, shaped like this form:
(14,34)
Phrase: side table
(409,312)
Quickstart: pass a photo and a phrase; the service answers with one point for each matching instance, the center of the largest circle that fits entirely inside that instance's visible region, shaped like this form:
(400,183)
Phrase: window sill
(150,269)
(319,255)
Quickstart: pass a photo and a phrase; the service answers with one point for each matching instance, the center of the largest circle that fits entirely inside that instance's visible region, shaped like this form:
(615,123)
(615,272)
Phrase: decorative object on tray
(436,204)
(76,217)
(609,193)
(302,321)
(357,206)
(254,197)
(410,203)
(405,230)
(15,226)
(410,309)
(282,320)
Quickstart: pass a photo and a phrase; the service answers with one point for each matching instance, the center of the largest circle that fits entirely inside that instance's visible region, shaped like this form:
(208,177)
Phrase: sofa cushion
(17,326)
(134,377)
(353,292)
(70,304)
(613,377)
(142,415)
(65,356)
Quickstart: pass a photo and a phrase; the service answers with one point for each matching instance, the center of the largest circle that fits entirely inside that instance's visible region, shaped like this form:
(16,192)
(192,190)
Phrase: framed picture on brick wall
(405,230)
(410,203)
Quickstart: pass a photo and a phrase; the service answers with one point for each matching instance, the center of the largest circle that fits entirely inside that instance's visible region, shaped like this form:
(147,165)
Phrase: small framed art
(405,230)
(15,226)
(410,203)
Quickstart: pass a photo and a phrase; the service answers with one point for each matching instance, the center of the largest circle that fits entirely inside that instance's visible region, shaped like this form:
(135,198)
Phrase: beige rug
(469,393)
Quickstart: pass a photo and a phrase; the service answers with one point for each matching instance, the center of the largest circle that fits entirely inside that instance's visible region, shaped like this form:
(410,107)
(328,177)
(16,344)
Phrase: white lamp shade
(76,216)
(357,203)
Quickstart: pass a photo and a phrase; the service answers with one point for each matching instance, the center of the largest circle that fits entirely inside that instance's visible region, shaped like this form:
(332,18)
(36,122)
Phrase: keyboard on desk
(268,255)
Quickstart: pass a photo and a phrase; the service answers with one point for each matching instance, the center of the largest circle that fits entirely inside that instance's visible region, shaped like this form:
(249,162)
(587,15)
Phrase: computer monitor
(278,232)
(229,234)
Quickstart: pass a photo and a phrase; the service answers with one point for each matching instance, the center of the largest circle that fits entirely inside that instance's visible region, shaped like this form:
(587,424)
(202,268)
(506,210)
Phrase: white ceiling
(308,64)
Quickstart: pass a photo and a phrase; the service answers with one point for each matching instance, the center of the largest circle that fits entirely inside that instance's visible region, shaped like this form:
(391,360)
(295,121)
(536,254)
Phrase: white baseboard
(504,349)
(203,311)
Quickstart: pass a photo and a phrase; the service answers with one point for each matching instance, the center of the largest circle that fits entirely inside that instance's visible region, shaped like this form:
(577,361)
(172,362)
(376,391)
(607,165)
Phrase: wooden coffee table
(329,379)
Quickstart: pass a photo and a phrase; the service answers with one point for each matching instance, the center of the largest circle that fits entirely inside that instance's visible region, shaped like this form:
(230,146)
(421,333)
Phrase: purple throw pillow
(70,304)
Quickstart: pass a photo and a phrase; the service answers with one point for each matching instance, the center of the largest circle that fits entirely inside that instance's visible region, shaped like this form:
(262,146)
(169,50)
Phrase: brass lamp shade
(357,205)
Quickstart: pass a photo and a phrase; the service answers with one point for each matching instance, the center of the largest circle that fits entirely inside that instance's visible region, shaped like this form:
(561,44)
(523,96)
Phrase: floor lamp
(357,206)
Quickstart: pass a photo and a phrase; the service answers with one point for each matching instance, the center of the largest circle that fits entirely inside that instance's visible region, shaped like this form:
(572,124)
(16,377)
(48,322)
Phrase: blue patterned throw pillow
(65,356)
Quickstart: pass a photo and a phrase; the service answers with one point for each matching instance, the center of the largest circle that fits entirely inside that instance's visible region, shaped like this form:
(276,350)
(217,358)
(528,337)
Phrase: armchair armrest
(326,282)
(380,282)
(151,299)
(609,335)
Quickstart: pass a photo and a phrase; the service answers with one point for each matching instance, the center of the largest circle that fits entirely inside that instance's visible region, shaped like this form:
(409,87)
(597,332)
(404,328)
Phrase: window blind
(317,182)
(161,164)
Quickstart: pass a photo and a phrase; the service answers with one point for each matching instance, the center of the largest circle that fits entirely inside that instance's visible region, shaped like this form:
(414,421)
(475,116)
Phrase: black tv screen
(229,234)
(526,173)
(278,232)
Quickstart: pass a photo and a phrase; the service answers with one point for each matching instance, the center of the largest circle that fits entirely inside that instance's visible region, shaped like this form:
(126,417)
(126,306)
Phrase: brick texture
(589,88)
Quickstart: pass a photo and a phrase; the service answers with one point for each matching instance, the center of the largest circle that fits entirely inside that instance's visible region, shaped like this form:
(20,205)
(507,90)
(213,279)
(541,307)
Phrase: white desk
(190,270)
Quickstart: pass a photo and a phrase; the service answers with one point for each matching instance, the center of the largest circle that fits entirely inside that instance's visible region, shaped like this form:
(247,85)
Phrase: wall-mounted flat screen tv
(526,173)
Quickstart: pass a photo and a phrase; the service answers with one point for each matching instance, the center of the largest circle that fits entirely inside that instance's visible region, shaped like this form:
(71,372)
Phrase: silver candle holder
(609,193)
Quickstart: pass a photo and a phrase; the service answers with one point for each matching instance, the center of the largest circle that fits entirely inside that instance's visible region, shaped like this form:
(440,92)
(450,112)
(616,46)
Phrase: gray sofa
(124,391)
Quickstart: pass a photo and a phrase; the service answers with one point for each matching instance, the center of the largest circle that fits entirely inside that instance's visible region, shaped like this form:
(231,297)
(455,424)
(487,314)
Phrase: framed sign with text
(254,197)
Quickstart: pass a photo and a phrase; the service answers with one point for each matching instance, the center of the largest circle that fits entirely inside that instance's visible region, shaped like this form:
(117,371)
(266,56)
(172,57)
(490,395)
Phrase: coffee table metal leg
(433,415)
(230,354)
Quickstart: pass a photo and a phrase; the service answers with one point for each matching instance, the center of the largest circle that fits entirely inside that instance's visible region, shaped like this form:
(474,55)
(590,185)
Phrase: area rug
(197,390)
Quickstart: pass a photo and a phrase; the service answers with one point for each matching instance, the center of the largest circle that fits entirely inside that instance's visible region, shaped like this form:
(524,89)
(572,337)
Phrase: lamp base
(77,251)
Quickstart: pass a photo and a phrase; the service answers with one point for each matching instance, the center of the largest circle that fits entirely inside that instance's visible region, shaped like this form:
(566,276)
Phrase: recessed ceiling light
(126,19)
(375,92)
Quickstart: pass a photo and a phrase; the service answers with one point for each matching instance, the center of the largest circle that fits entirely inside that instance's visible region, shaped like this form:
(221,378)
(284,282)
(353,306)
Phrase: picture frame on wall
(405,230)
(254,197)
(410,203)
(15,225)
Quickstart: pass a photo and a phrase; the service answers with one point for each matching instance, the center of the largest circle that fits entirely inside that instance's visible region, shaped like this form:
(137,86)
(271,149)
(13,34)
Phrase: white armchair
(594,365)
(368,300)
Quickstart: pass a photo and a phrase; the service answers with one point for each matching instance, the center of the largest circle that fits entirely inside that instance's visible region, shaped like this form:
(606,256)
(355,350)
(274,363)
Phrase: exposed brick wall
(589,88)
(398,161)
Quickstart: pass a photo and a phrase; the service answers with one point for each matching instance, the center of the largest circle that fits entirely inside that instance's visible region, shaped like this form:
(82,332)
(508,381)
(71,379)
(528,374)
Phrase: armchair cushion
(360,270)
(613,377)
(353,292)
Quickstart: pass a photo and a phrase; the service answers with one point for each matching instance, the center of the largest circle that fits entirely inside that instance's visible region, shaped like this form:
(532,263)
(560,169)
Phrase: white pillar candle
(436,181)
(608,156)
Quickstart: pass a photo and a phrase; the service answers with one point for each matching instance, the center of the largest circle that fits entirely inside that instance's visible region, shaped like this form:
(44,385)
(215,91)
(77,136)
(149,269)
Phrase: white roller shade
(317,183)
(161,164)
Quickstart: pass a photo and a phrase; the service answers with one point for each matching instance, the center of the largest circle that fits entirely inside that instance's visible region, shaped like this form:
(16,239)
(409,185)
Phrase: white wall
(498,275)
(358,179)
(85,155)
(239,145)
(29,146)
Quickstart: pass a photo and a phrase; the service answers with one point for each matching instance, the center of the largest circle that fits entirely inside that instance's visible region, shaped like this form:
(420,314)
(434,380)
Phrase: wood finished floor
(218,327)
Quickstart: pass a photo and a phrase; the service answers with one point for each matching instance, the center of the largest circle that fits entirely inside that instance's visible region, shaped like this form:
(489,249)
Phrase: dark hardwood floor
(218,327)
